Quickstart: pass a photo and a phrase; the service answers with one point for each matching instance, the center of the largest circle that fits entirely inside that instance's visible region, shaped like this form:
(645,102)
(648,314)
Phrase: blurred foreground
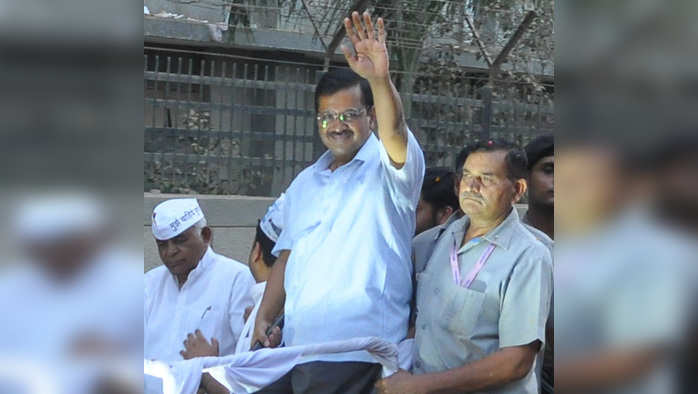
(70,197)
(626,197)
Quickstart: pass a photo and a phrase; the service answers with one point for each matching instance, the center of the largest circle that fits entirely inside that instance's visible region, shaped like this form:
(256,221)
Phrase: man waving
(344,267)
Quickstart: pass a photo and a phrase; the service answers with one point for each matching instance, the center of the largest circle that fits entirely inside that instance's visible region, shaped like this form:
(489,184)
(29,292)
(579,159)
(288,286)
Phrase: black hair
(460,159)
(339,79)
(540,147)
(516,162)
(266,245)
(437,188)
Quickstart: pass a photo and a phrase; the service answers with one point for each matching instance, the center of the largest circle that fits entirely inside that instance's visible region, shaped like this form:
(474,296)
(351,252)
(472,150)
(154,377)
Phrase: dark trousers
(320,377)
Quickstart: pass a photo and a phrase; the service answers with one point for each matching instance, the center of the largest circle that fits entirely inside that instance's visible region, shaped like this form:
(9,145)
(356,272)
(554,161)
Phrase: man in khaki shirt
(481,326)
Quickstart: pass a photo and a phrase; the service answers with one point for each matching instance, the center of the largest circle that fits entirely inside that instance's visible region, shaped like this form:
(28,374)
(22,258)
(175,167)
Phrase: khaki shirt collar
(500,236)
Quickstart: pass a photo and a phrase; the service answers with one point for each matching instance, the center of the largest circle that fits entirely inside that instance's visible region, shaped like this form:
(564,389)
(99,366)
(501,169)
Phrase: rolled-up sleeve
(285,241)
(405,183)
(526,303)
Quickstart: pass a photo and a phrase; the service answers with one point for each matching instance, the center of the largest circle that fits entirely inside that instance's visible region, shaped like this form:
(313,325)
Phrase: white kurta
(213,300)
(350,232)
(243,344)
(47,320)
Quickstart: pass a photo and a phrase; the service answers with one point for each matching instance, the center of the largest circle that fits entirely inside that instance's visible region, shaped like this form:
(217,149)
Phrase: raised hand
(370,56)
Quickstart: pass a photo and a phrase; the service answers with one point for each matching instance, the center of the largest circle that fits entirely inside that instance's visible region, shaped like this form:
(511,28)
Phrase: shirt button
(424,326)
(418,364)
(436,291)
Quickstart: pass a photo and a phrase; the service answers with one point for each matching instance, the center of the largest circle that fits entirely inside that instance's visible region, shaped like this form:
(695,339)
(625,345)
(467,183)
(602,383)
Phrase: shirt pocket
(462,308)
(210,321)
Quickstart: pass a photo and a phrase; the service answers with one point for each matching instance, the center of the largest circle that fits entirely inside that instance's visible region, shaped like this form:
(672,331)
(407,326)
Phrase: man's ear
(256,252)
(520,187)
(207,234)
(372,123)
(445,213)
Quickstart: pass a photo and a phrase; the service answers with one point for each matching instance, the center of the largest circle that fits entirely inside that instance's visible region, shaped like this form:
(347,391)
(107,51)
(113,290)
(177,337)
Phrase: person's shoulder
(155,275)
(423,245)
(531,245)
(224,264)
(457,224)
(300,182)
(427,236)
(540,236)
(308,171)
(305,173)
(435,233)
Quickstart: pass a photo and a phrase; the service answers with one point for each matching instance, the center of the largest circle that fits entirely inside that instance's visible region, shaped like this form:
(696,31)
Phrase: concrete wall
(232,218)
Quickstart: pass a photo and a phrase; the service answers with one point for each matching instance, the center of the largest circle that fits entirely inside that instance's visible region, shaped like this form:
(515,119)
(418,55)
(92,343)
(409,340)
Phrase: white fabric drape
(250,371)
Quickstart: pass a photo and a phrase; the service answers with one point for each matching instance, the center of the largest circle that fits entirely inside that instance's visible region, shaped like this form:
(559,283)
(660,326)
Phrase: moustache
(339,131)
(471,196)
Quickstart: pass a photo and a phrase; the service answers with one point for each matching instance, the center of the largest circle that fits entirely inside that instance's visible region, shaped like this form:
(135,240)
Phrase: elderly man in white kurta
(344,269)
(194,289)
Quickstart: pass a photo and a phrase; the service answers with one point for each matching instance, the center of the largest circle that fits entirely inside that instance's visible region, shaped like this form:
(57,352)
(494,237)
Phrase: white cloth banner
(250,371)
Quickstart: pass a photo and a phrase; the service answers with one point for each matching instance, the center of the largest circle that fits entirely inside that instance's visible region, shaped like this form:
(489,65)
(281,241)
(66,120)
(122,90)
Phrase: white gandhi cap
(58,214)
(173,217)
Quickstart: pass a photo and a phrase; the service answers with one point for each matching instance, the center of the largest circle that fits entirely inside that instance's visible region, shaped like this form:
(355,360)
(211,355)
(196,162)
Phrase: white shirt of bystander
(243,344)
(213,300)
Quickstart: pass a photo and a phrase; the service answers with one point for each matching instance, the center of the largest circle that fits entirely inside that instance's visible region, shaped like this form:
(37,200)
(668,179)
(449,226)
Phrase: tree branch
(358,6)
(530,15)
(312,21)
(478,40)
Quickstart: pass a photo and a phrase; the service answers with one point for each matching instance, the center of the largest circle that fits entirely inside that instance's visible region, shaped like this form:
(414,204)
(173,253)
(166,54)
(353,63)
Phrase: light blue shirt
(506,305)
(349,232)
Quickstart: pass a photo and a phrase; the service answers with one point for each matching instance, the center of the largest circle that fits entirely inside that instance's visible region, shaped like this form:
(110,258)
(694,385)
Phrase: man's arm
(212,386)
(504,366)
(608,368)
(196,345)
(272,303)
(372,63)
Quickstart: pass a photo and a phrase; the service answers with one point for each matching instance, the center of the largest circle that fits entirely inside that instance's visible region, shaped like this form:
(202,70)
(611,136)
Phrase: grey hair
(200,226)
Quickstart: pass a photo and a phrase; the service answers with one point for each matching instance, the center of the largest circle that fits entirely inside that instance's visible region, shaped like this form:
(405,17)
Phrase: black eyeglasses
(347,116)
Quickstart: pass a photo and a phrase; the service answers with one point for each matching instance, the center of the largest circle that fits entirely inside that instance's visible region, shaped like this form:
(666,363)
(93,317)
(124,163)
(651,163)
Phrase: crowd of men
(367,243)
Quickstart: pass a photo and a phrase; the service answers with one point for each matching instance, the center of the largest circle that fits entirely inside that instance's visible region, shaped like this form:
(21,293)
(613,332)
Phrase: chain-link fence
(223,124)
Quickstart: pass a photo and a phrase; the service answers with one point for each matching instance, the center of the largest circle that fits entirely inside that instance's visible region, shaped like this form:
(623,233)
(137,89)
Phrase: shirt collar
(364,154)
(500,235)
(442,227)
(257,290)
(451,219)
(200,268)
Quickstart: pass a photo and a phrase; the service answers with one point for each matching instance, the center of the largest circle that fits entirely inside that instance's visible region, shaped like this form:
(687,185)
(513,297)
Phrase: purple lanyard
(473,272)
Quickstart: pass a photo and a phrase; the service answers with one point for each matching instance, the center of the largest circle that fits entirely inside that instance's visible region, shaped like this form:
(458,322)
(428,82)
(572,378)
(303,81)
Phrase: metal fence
(222,124)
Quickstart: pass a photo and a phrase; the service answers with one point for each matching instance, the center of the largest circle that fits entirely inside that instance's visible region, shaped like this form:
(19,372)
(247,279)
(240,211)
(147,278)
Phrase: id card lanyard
(465,282)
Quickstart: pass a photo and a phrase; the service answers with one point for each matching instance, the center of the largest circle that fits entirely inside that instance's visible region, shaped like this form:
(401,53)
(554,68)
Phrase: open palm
(370,57)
